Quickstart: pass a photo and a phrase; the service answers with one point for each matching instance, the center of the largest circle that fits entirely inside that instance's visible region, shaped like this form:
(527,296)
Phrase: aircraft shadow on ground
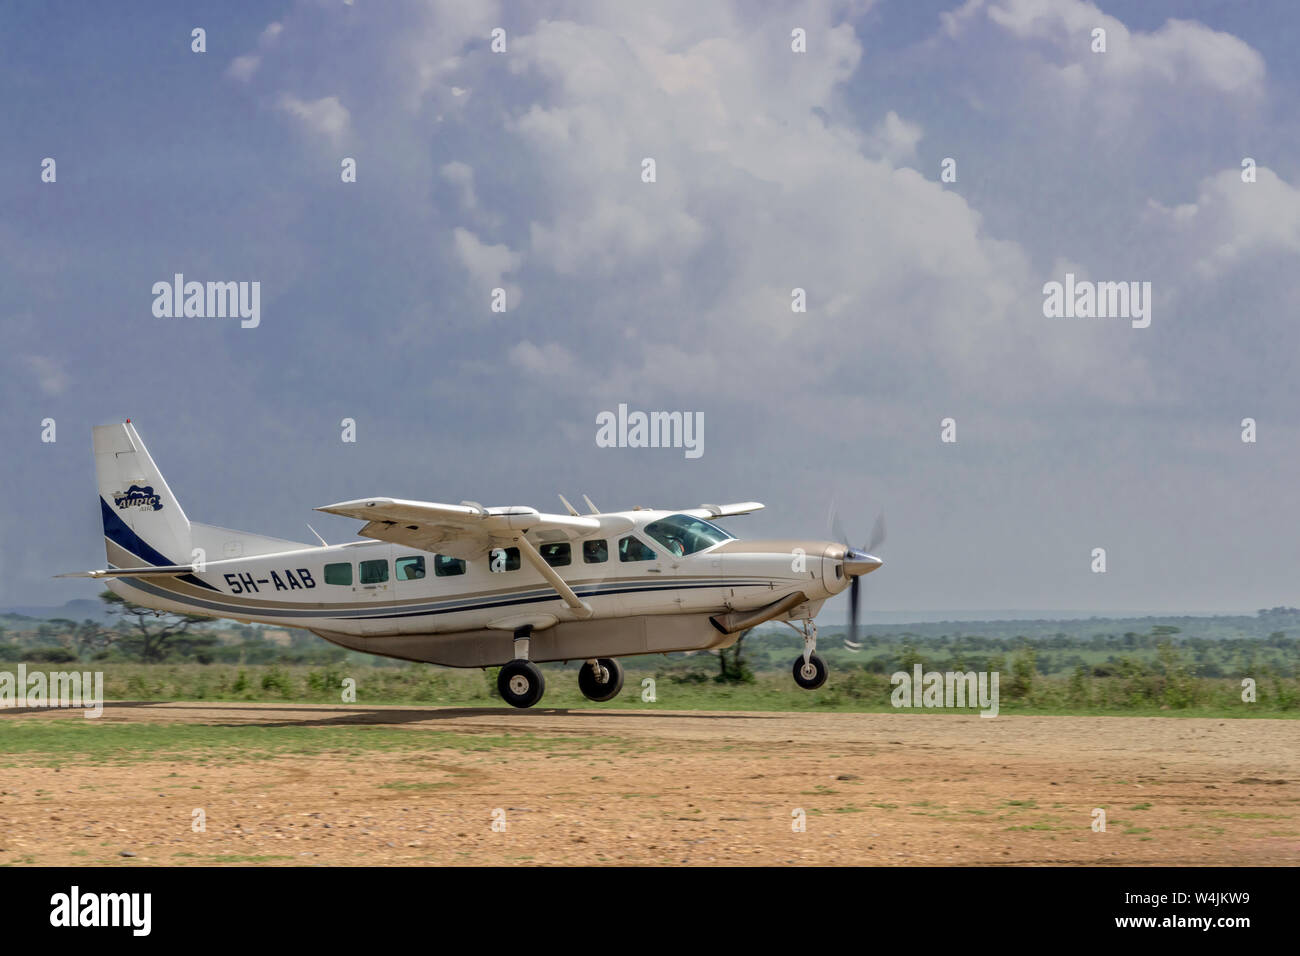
(352,716)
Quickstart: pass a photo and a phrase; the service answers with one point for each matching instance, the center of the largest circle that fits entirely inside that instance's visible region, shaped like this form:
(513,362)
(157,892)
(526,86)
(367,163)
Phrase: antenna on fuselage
(318,537)
(572,510)
(594,509)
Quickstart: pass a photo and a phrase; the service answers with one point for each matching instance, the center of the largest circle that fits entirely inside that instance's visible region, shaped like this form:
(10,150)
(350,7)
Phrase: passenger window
(594,552)
(556,555)
(338,573)
(410,569)
(444,566)
(634,549)
(374,572)
(503,559)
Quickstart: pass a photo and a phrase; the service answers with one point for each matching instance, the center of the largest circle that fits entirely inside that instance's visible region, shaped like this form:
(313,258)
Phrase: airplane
(467,586)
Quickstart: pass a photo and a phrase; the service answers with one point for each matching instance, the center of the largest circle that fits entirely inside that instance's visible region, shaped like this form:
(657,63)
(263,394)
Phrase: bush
(863,684)
(325,683)
(278,682)
(1180,688)
(49,655)
(1023,669)
(1076,690)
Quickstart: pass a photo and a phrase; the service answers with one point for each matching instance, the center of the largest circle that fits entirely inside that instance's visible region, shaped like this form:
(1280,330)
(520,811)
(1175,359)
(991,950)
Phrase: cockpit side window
(634,549)
(682,535)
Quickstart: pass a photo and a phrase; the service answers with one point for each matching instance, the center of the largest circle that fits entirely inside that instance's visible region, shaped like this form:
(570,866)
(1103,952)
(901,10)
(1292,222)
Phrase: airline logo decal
(137,497)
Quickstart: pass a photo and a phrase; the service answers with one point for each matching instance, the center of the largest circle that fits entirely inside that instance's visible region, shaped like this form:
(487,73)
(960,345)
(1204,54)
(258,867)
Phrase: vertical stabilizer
(143,521)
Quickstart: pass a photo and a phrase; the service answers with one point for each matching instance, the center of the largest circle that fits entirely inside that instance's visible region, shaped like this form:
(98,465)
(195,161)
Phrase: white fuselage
(383,604)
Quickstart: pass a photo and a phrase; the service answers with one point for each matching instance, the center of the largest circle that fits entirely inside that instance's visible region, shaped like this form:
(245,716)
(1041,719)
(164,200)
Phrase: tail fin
(143,522)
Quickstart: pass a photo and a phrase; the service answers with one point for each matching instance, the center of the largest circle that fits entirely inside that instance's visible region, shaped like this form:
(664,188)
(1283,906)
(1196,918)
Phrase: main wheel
(811,675)
(591,685)
(521,683)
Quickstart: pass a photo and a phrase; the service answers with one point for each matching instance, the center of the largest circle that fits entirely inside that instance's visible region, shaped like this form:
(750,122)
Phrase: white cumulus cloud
(326,116)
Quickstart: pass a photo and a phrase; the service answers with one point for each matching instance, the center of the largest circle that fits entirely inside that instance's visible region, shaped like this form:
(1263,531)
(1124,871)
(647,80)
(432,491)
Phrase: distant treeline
(1162,688)
(131,633)
(1264,646)
(1104,655)
(1264,623)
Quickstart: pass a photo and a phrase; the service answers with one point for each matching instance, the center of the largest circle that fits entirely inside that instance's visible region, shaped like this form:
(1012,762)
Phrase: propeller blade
(877,534)
(855,565)
(837,529)
(854,593)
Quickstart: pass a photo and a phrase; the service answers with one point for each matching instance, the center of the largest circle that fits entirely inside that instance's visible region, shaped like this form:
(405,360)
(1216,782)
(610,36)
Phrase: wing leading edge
(467,530)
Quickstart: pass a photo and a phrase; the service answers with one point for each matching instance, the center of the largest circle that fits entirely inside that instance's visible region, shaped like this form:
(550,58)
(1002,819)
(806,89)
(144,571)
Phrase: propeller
(858,562)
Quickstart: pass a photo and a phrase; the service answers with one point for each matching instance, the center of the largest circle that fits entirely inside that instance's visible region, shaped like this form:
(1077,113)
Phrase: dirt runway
(664,787)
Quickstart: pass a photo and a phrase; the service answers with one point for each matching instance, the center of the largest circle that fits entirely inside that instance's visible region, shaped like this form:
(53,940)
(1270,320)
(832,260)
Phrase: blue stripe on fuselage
(390,612)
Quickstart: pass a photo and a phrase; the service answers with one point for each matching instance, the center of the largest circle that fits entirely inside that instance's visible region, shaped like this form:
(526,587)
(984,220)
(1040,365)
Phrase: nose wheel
(811,673)
(809,670)
(600,679)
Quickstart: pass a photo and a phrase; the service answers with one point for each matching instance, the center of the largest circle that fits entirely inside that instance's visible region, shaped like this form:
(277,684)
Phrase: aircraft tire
(593,689)
(817,675)
(521,683)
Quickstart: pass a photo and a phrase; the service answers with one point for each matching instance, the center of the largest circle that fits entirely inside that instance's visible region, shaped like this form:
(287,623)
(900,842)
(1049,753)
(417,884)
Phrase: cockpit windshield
(683,535)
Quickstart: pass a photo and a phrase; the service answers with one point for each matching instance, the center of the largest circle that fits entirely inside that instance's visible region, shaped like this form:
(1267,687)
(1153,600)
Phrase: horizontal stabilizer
(168,571)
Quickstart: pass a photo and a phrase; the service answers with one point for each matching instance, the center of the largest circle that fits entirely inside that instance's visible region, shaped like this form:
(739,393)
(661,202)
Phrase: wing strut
(581,608)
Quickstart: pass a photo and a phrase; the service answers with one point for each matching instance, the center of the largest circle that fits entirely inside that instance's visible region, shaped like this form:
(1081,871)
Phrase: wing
(724,511)
(467,530)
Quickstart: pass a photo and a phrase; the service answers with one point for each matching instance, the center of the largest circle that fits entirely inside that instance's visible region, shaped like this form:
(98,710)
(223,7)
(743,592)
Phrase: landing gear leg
(809,670)
(523,640)
(520,682)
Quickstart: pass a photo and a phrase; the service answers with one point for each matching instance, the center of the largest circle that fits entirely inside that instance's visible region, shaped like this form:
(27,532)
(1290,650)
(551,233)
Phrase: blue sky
(775,170)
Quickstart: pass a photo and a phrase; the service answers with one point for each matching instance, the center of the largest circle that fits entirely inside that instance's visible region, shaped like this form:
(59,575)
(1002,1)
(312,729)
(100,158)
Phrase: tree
(733,670)
(87,637)
(152,635)
(91,637)
(65,626)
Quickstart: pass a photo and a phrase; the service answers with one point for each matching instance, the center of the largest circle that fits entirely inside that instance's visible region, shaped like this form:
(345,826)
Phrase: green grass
(850,689)
(1040,825)
(97,741)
